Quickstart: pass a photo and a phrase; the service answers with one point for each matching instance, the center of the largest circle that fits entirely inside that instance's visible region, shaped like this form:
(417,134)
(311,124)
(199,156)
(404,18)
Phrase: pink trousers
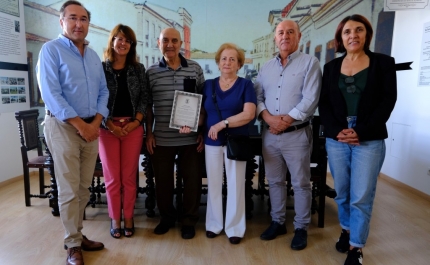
(120,158)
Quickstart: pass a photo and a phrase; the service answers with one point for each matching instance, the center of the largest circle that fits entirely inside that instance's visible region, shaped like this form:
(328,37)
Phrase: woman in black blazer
(358,94)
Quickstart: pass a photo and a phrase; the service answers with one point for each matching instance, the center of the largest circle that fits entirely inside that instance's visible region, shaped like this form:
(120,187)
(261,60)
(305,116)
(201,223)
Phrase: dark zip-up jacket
(376,103)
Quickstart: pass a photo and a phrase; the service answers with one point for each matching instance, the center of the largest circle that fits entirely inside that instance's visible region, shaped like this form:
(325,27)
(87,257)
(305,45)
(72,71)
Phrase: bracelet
(136,119)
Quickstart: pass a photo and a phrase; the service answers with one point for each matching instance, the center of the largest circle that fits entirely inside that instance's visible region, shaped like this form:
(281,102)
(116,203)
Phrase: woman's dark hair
(338,35)
(130,35)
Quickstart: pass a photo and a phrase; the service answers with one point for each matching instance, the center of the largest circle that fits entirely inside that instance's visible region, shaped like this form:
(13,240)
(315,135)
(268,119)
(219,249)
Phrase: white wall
(10,155)
(408,145)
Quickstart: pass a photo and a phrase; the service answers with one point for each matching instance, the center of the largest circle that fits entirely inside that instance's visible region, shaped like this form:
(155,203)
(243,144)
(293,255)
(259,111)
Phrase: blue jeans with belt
(355,170)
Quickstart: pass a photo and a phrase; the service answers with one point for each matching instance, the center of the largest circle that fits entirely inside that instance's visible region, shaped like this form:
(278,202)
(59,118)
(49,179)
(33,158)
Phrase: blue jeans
(355,170)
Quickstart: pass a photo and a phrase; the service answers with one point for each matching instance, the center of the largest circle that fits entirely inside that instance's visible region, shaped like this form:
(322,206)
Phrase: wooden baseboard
(400,185)
(404,186)
(18,178)
(9,181)
(36,173)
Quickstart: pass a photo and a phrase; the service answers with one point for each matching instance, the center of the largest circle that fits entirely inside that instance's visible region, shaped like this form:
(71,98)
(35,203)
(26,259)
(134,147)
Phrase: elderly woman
(236,100)
(122,136)
(358,94)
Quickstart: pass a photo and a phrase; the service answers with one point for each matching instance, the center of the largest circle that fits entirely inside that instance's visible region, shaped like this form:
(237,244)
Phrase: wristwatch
(226,124)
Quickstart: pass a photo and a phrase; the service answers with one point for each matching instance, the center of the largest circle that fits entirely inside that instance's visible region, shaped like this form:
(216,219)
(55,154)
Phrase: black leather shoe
(275,229)
(355,257)
(162,228)
(234,240)
(210,234)
(188,231)
(342,245)
(300,239)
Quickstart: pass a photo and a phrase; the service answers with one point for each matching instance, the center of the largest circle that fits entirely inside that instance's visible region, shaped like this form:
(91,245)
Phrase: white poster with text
(424,72)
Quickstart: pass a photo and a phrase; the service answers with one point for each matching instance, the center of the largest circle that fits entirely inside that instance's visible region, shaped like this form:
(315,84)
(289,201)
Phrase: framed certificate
(185,110)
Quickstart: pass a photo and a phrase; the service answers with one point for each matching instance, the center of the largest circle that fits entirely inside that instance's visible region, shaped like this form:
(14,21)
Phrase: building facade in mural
(317,19)
(147,20)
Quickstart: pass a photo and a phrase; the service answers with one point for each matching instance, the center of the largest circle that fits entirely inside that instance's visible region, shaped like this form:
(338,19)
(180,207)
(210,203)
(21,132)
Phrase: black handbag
(238,146)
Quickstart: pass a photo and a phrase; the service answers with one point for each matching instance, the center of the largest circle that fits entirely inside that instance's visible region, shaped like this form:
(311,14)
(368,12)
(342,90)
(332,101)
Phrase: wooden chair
(318,170)
(97,186)
(149,189)
(31,140)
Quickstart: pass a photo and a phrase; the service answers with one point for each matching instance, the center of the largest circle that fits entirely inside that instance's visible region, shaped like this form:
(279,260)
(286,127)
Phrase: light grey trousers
(289,150)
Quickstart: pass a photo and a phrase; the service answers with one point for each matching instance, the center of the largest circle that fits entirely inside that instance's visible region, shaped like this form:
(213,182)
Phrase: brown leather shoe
(89,245)
(74,256)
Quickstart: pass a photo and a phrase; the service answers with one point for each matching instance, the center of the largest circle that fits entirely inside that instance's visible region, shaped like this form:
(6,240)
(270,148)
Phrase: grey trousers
(74,163)
(289,150)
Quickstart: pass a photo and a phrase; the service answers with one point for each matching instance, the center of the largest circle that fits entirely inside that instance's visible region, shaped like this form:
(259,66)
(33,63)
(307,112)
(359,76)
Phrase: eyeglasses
(122,40)
(75,20)
(351,88)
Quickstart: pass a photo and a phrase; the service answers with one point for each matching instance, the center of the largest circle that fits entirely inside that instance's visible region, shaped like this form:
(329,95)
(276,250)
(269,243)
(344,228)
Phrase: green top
(351,88)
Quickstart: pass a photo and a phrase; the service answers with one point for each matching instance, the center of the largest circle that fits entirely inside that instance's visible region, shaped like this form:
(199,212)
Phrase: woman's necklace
(118,72)
(227,84)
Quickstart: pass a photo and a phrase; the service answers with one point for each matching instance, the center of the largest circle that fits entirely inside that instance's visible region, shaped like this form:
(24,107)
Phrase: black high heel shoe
(129,232)
(115,231)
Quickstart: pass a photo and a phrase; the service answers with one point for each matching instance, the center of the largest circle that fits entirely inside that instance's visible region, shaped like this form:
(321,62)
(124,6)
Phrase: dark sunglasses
(351,88)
